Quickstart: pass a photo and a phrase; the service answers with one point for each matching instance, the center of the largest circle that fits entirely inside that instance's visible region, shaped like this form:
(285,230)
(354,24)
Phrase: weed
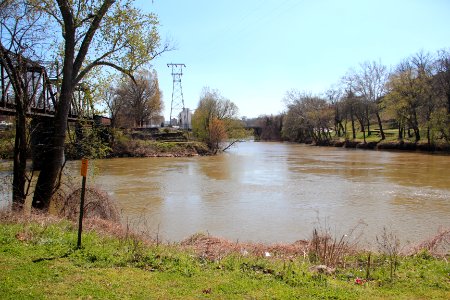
(389,244)
(437,245)
(329,250)
(38,259)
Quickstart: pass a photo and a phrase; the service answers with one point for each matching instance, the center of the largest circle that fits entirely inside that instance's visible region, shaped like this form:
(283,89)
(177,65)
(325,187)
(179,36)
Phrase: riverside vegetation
(101,143)
(39,260)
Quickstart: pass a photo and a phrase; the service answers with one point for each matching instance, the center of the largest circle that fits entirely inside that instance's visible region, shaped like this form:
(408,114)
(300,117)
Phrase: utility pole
(177,103)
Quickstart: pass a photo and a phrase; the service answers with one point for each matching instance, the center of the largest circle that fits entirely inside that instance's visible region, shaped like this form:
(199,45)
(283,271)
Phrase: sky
(253,52)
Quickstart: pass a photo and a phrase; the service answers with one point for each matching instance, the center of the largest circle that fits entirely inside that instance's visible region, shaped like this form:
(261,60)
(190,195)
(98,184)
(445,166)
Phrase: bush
(96,204)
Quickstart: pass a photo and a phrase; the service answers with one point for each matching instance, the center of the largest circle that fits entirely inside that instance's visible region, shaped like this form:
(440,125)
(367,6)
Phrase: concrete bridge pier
(42,132)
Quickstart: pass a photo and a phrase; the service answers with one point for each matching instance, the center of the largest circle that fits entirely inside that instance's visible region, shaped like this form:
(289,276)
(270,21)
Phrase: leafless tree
(369,82)
(137,101)
(309,118)
(21,28)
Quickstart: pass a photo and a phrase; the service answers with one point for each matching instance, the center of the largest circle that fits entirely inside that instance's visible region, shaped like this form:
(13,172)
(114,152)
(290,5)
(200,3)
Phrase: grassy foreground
(38,260)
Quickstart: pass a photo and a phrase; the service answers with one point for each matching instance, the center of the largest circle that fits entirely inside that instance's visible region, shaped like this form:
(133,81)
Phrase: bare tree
(334,95)
(139,100)
(309,118)
(370,82)
(20,30)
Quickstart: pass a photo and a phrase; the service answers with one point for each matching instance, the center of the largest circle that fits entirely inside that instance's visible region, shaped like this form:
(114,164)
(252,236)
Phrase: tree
(443,75)
(357,103)
(443,88)
(140,99)
(411,93)
(271,127)
(309,118)
(350,106)
(370,82)
(20,30)
(216,119)
(94,33)
(334,95)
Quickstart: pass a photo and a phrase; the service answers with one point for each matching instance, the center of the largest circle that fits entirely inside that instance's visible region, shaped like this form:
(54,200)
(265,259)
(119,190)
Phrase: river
(278,192)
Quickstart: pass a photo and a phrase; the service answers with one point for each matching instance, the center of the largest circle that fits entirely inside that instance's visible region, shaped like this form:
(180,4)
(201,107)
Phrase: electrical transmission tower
(177,103)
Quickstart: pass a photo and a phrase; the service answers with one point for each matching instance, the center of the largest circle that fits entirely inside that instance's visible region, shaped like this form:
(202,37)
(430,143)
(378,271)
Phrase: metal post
(84,165)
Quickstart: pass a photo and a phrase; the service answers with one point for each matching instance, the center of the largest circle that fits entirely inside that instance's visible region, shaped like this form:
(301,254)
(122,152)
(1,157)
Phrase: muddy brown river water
(278,192)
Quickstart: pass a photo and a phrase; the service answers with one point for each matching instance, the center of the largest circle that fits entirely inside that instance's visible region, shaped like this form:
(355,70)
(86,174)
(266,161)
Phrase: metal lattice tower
(177,104)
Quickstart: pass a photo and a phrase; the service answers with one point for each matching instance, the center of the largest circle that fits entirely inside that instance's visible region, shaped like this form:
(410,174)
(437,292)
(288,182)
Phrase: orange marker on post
(84,168)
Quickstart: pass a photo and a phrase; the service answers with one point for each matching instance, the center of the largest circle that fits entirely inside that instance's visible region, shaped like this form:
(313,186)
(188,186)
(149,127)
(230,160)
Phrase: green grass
(40,262)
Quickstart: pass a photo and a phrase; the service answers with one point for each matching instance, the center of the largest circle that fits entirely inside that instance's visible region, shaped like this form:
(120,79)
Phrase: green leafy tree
(94,33)
(442,115)
(216,120)
(411,95)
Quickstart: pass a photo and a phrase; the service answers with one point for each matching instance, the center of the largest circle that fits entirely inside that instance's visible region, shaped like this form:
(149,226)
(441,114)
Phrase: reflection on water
(274,192)
(5,183)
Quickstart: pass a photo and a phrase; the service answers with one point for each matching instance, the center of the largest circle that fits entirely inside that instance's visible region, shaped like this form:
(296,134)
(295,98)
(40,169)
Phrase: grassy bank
(143,148)
(38,260)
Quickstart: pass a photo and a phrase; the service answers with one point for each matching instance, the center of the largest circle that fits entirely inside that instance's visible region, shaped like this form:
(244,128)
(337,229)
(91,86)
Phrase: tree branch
(89,67)
(89,36)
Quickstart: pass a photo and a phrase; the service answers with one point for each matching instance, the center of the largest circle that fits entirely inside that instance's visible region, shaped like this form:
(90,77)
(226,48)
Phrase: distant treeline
(408,103)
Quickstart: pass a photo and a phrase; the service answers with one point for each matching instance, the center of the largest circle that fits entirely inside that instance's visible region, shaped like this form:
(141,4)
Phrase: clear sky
(253,51)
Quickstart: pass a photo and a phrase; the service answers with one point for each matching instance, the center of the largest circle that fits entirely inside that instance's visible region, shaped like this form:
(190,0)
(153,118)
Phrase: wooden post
(84,167)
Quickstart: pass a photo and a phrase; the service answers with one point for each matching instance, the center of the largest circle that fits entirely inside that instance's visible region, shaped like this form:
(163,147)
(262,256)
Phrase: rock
(322,269)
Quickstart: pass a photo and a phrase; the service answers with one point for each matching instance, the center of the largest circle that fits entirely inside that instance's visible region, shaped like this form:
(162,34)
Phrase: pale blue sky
(253,52)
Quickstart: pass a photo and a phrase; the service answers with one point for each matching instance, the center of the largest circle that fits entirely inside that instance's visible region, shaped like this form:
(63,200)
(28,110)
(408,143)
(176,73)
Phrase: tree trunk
(416,126)
(448,106)
(361,122)
(20,162)
(353,127)
(380,125)
(416,133)
(53,159)
(368,121)
(342,129)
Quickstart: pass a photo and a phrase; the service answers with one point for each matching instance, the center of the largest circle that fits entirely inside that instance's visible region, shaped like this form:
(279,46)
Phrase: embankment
(388,145)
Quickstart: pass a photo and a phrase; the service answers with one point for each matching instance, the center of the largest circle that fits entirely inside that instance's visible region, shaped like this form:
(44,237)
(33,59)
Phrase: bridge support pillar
(42,132)
(79,139)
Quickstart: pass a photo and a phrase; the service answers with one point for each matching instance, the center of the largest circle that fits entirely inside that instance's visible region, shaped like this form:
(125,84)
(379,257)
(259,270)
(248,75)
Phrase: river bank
(387,145)
(39,260)
(145,148)
(151,143)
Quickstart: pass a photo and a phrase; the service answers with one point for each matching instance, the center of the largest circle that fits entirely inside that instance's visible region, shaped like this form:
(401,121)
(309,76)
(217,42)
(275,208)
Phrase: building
(185,119)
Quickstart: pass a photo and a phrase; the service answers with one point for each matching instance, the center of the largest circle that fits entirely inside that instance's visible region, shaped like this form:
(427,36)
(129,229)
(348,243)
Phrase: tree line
(412,99)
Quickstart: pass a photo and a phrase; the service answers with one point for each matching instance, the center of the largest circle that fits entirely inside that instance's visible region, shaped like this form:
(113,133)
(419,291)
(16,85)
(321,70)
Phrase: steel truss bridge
(42,91)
